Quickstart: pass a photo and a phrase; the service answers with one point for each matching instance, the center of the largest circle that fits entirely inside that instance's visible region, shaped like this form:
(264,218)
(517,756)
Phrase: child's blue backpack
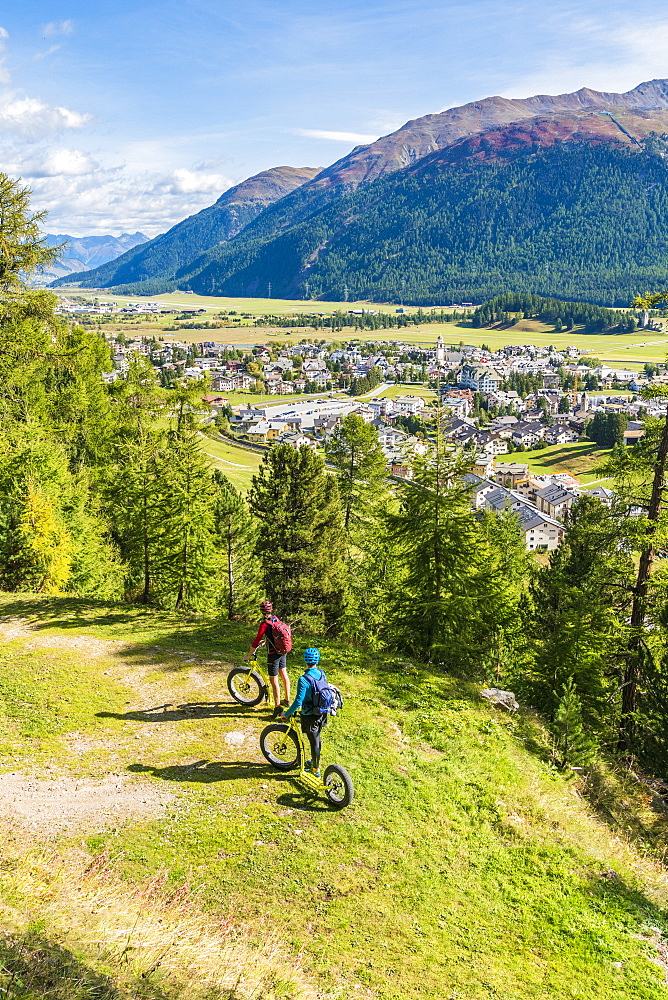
(327,699)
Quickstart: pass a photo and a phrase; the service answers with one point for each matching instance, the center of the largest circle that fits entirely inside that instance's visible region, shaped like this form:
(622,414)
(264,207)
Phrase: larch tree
(580,600)
(236,532)
(301,542)
(361,468)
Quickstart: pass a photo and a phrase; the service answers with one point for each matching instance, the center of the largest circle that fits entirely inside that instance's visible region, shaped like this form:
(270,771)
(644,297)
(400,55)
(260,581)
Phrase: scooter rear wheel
(339,787)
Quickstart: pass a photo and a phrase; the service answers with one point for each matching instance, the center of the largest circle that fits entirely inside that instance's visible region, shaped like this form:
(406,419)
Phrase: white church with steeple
(440,350)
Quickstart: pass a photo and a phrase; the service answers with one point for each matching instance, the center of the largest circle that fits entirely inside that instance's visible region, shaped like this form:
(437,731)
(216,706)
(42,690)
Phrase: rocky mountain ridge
(493,130)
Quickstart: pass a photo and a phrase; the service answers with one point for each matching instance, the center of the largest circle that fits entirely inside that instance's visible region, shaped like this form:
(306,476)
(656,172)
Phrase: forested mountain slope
(164,255)
(475,132)
(579,220)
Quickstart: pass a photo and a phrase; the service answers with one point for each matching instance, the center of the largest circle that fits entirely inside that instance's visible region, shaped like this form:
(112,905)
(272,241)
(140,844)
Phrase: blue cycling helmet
(311,656)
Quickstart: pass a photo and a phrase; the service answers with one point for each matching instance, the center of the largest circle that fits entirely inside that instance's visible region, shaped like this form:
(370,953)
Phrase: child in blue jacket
(312,722)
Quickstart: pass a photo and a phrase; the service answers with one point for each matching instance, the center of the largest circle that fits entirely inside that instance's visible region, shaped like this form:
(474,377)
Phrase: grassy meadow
(467,868)
(581,459)
(239,464)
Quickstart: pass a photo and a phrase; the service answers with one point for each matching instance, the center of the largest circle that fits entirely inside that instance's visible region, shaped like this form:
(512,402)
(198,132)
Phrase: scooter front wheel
(339,787)
(246,686)
(280,746)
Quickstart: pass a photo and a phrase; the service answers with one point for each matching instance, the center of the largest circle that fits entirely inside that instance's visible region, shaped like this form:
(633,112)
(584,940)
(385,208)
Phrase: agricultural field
(581,459)
(261,398)
(402,389)
(252,307)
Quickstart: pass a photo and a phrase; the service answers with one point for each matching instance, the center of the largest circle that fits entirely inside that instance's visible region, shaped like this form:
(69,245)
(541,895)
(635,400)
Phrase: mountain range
(561,195)
(83,253)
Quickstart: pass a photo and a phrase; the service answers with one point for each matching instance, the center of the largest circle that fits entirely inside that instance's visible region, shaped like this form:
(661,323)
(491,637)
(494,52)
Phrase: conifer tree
(23,247)
(301,544)
(236,532)
(53,537)
(572,744)
(361,468)
(188,561)
(449,604)
(136,493)
(45,542)
(580,600)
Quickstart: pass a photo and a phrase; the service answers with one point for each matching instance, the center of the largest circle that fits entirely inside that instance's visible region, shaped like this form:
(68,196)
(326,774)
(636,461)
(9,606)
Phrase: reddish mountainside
(625,128)
(422,136)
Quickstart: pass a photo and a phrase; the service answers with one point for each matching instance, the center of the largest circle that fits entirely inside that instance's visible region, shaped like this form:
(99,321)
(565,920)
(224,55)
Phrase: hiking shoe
(277,712)
(315,771)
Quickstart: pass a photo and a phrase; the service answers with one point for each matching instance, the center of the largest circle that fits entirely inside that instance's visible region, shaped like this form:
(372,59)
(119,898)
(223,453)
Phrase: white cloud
(350,137)
(86,198)
(191,181)
(5,75)
(49,52)
(64,163)
(57,28)
(30,115)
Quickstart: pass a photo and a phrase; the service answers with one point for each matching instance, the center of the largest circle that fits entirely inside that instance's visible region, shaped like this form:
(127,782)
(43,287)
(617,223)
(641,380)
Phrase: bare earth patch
(58,804)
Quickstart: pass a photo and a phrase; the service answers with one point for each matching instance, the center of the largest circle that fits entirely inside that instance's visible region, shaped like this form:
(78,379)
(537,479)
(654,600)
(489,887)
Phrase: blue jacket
(304,696)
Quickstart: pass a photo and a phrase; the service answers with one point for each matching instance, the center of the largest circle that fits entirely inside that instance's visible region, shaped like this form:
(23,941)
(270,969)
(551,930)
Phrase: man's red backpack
(281,636)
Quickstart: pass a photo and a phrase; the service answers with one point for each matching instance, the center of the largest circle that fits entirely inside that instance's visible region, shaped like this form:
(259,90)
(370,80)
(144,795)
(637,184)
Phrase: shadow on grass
(209,772)
(34,967)
(156,634)
(192,710)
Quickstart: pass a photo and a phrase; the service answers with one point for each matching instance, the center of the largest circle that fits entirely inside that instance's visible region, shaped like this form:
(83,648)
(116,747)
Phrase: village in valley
(493,406)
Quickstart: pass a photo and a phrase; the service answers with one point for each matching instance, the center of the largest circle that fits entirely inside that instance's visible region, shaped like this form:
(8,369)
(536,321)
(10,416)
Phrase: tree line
(595,319)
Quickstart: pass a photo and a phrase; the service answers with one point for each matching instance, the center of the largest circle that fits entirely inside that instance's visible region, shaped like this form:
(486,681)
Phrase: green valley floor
(148,850)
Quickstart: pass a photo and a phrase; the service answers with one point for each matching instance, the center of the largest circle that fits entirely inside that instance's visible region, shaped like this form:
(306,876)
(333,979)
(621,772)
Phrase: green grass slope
(465,868)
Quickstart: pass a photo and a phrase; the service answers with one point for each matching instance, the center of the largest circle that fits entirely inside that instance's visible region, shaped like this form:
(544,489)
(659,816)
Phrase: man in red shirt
(277,663)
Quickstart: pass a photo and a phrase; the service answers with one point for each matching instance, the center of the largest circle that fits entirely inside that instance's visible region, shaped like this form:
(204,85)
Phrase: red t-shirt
(265,631)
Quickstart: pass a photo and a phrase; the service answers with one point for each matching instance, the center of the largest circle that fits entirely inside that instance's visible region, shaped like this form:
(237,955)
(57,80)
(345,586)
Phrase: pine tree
(572,745)
(358,457)
(301,543)
(236,531)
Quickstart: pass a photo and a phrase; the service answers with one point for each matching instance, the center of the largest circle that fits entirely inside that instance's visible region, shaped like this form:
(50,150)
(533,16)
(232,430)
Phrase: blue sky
(129,114)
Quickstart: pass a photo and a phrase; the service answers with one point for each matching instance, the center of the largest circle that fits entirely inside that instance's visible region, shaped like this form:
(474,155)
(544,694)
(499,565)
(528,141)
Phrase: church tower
(440,350)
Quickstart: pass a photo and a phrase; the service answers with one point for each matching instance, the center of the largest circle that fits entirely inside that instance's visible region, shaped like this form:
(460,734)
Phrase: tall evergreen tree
(135,493)
(301,543)
(361,467)
(236,532)
(449,604)
(641,478)
(188,559)
(580,601)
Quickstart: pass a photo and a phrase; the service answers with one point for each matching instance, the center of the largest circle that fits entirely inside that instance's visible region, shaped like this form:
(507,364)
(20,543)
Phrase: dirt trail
(53,805)
(169,712)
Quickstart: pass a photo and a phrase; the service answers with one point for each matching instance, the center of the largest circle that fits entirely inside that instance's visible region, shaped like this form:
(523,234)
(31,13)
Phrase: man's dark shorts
(313,724)
(276,662)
